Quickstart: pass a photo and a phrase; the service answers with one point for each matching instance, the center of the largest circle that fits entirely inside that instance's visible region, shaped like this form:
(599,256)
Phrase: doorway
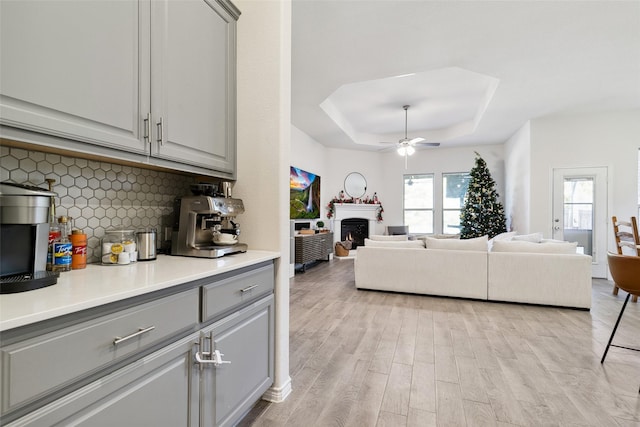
(580,212)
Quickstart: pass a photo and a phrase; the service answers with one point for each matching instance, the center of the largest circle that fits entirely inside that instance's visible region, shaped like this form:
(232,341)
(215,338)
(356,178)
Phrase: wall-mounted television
(304,191)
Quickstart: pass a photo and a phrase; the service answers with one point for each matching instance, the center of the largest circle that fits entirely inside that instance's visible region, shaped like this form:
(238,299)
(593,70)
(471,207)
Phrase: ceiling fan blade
(427,144)
(415,140)
(386,149)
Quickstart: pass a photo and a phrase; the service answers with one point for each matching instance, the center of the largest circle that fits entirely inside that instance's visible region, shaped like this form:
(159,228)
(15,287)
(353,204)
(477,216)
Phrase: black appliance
(24,238)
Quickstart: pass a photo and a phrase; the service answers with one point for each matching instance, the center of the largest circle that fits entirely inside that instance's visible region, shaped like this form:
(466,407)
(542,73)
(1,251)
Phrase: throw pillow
(538,248)
(507,236)
(476,244)
(533,237)
(394,238)
(504,236)
(394,244)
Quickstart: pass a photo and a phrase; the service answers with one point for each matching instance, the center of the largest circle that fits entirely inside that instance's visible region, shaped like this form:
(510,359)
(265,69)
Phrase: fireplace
(354,229)
(362,212)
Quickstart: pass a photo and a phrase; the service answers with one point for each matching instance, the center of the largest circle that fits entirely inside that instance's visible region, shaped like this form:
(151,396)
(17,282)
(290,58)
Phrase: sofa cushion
(476,244)
(394,238)
(445,236)
(502,236)
(394,244)
(530,247)
(533,237)
(553,241)
(507,235)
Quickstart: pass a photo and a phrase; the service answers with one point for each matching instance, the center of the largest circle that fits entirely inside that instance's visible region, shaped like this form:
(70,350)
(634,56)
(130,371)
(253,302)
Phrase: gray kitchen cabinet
(199,354)
(44,364)
(159,390)
(152,82)
(193,83)
(71,69)
(65,368)
(244,341)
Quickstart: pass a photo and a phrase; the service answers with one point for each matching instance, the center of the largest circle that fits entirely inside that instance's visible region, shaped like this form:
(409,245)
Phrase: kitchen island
(195,333)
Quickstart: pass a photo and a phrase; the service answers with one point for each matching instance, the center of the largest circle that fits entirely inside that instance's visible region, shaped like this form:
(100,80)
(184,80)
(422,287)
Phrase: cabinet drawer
(156,391)
(223,296)
(51,361)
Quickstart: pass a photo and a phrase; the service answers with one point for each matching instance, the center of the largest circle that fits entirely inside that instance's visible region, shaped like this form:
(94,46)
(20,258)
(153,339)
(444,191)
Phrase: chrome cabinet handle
(208,357)
(160,126)
(119,340)
(247,289)
(147,128)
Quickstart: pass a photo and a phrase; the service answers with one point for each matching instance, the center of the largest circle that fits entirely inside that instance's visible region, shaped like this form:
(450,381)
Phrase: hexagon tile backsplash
(98,195)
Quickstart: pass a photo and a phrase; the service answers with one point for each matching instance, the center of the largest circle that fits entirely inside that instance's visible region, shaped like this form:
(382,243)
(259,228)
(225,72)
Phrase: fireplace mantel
(353,210)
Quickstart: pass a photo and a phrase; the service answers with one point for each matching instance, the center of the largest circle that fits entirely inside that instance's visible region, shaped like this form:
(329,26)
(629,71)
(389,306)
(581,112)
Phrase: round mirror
(355,185)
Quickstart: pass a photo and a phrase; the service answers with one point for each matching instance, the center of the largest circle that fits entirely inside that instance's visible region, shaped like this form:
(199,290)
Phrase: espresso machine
(205,226)
(24,238)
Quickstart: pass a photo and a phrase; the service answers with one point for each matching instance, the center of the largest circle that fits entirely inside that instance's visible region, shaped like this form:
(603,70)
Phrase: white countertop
(101,284)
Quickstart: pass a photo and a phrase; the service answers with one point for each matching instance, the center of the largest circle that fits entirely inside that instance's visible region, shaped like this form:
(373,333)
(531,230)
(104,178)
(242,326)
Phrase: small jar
(119,247)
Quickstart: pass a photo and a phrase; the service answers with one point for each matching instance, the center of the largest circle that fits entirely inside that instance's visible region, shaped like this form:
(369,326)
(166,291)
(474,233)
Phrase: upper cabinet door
(193,87)
(72,69)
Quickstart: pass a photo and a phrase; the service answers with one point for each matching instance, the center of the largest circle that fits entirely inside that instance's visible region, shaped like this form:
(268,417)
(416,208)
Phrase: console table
(312,247)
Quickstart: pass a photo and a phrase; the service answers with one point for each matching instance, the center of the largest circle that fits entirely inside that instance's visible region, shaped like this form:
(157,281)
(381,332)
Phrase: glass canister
(119,247)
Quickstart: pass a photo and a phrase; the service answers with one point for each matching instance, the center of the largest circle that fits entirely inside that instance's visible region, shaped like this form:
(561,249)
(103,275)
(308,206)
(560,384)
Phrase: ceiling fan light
(410,150)
(402,150)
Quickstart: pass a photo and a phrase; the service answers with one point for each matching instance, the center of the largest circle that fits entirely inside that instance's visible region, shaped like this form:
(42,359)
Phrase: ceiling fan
(405,146)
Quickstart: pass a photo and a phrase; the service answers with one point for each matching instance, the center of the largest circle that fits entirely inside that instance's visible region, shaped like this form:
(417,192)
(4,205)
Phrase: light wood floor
(368,358)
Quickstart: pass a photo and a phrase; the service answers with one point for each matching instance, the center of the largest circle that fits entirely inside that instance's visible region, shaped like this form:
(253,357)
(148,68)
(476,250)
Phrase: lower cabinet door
(245,339)
(158,390)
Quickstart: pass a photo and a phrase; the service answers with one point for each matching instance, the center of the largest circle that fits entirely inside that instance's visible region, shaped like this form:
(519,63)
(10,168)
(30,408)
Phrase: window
(418,203)
(454,188)
(579,198)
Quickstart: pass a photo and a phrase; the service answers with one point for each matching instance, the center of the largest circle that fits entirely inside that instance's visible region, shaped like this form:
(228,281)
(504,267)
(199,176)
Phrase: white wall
(518,180)
(384,170)
(308,154)
(264,133)
(343,162)
(589,140)
(522,167)
(437,161)
(333,165)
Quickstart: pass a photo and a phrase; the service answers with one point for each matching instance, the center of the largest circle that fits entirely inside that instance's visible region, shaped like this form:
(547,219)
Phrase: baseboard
(278,394)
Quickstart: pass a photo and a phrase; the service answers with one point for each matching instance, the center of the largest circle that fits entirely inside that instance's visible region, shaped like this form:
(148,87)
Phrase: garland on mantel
(331,209)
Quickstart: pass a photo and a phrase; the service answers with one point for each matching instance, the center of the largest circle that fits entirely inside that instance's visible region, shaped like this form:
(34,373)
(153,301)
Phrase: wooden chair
(626,235)
(625,270)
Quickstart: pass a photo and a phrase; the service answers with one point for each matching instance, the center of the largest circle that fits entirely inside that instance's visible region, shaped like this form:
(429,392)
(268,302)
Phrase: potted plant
(320,226)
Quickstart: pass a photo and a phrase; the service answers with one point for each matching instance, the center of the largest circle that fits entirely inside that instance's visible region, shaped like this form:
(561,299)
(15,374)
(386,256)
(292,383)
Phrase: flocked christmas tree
(482,212)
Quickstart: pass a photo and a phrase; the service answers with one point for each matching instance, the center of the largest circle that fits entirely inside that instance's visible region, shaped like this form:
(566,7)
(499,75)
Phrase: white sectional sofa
(547,273)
